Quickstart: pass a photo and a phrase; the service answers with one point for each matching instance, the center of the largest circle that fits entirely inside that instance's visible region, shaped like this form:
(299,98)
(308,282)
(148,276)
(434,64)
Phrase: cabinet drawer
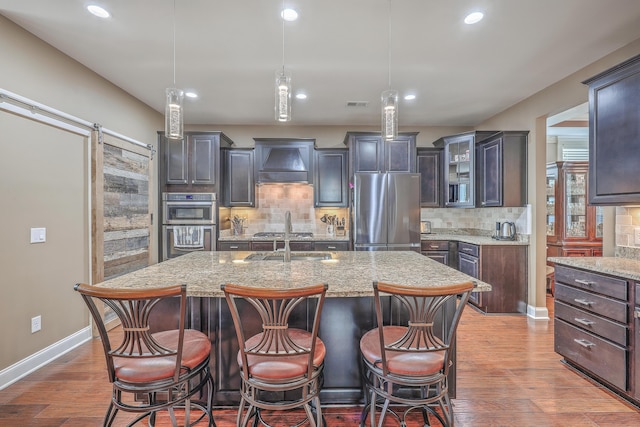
(434,245)
(331,246)
(296,246)
(612,331)
(267,245)
(605,285)
(607,361)
(469,249)
(613,309)
(233,246)
(440,256)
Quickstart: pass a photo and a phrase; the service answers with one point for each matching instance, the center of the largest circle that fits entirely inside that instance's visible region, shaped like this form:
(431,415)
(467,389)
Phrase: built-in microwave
(189,208)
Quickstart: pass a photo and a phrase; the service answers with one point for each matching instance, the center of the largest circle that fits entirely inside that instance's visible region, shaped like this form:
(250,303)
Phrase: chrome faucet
(287,236)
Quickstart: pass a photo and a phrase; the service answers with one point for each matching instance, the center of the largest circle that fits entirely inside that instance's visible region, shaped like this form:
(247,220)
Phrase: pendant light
(174,112)
(283,87)
(389,100)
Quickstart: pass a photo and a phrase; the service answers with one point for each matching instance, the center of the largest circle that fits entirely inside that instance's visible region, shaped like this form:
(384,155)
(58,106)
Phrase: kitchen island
(348,311)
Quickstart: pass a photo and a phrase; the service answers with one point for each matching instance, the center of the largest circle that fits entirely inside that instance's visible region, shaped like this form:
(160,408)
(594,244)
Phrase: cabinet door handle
(584,343)
(636,313)
(584,322)
(467,250)
(433,246)
(583,301)
(584,282)
(331,247)
(233,247)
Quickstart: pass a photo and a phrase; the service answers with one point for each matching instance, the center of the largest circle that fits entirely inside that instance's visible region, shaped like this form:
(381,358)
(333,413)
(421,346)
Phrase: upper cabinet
(193,162)
(502,170)
(459,167)
(614,134)
(429,166)
(238,188)
(368,152)
(331,181)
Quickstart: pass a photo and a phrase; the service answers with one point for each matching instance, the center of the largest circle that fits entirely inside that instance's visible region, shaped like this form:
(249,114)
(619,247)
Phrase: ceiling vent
(358,104)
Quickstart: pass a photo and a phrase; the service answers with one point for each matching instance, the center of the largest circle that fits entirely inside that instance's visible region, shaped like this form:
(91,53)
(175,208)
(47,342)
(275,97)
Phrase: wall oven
(188,223)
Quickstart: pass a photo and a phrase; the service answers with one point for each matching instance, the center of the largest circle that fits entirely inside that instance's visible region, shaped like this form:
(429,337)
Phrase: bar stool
(278,358)
(406,359)
(151,372)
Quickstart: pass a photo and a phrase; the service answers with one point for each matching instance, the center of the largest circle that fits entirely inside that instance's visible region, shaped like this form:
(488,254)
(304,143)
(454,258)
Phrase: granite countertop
(314,238)
(475,240)
(348,274)
(616,266)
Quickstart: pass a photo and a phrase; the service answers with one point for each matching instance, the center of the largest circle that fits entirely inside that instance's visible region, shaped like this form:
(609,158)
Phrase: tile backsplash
(627,231)
(483,219)
(273,200)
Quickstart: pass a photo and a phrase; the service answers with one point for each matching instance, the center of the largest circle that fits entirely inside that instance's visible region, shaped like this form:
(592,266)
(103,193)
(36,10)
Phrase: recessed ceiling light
(98,11)
(301,96)
(473,18)
(289,15)
(191,95)
(409,97)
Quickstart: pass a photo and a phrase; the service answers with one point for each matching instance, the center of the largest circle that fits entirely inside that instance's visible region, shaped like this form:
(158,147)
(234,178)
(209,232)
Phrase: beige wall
(531,115)
(43,183)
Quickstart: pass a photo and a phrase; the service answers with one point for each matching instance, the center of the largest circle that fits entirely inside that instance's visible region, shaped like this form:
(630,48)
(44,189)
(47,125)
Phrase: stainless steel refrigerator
(386,212)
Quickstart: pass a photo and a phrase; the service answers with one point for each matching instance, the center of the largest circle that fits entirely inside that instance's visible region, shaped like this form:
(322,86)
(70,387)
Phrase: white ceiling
(337,51)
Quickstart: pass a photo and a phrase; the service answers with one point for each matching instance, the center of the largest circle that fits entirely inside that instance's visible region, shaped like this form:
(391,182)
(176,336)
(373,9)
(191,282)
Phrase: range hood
(283,160)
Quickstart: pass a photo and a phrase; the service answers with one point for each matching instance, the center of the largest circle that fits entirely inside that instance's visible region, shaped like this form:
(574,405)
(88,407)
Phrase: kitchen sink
(295,256)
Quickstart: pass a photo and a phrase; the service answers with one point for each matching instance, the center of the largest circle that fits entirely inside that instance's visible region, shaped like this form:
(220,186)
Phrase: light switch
(38,235)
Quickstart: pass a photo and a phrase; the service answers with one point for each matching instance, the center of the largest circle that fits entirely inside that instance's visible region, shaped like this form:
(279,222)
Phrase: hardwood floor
(508,376)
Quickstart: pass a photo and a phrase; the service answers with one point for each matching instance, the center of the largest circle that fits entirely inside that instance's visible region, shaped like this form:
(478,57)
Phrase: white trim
(35,361)
(537,313)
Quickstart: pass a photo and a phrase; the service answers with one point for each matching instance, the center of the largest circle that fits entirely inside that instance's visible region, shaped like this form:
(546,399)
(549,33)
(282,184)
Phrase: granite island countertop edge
(349,274)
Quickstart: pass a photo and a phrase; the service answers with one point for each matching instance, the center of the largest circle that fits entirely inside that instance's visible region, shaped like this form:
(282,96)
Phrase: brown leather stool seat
(278,367)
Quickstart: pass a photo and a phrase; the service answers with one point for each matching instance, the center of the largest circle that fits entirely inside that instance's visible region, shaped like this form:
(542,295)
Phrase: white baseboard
(29,364)
(537,313)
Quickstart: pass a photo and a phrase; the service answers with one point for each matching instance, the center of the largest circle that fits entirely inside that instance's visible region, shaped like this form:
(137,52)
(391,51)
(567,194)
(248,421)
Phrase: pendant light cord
(282,17)
(389,44)
(174,43)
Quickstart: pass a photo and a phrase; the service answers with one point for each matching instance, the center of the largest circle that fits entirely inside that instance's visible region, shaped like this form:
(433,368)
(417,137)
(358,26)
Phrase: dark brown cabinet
(459,167)
(437,250)
(574,228)
(504,267)
(331,181)
(593,325)
(193,162)
(368,152)
(502,170)
(331,246)
(429,166)
(235,245)
(614,134)
(238,187)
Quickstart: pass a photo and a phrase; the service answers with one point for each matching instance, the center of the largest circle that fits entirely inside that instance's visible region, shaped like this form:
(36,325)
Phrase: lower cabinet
(437,250)
(331,246)
(504,267)
(234,245)
(594,320)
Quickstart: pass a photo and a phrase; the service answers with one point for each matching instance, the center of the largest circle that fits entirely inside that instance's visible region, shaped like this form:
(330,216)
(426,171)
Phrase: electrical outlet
(36,324)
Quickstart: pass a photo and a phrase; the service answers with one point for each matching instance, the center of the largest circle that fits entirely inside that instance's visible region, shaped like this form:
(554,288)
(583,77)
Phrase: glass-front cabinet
(574,228)
(460,172)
